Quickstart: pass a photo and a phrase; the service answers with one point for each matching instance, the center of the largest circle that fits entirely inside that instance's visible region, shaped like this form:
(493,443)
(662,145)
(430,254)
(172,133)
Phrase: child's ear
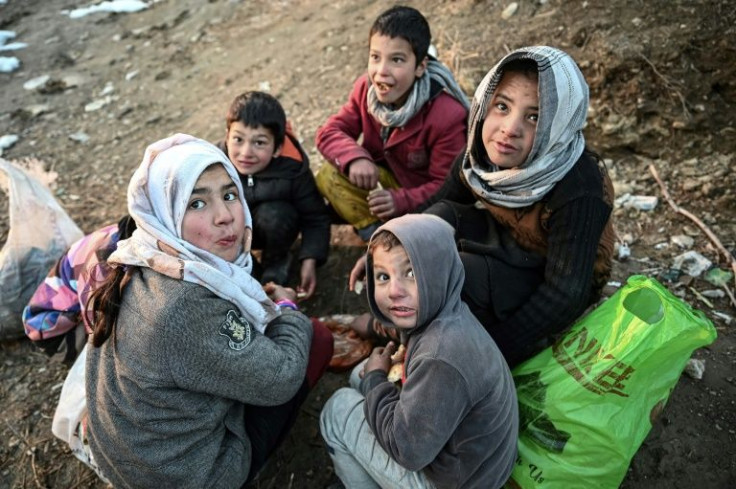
(277,152)
(421,67)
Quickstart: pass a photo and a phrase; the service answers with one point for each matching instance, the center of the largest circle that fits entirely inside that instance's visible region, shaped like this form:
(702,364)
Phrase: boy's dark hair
(525,66)
(384,238)
(259,109)
(407,23)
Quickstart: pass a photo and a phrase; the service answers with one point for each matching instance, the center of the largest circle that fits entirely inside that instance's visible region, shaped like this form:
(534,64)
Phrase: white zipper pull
(250,181)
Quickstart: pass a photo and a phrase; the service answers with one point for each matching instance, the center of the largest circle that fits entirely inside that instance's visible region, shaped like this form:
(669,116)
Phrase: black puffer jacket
(290,180)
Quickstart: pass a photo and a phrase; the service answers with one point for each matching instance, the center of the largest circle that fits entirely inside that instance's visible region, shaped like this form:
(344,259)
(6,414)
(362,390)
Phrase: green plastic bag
(587,402)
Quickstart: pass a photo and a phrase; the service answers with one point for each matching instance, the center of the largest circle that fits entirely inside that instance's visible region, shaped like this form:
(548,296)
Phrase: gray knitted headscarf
(419,95)
(558,143)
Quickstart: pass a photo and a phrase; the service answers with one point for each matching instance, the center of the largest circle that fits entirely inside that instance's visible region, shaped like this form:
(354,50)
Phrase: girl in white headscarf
(531,207)
(196,373)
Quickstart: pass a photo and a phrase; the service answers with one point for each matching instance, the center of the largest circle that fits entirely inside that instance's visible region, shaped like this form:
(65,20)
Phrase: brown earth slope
(662,84)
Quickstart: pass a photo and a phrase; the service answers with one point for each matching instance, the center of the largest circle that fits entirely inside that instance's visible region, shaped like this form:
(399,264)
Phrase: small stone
(72,80)
(695,368)
(691,231)
(723,316)
(109,88)
(642,202)
(79,136)
(37,109)
(7,140)
(713,294)
(683,241)
(36,83)
(509,11)
(622,188)
(97,104)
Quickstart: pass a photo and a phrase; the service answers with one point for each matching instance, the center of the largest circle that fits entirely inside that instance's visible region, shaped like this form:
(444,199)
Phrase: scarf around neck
(420,93)
(158,197)
(558,142)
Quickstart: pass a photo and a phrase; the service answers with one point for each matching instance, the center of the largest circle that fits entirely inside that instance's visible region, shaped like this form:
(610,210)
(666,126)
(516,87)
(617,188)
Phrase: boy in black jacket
(279,189)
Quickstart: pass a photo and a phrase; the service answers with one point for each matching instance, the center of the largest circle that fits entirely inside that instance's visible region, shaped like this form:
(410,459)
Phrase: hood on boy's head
(563,100)
(430,244)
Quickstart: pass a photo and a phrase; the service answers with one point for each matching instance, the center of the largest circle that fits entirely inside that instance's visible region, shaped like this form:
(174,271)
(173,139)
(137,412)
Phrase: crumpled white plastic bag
(70,418)
(40,232)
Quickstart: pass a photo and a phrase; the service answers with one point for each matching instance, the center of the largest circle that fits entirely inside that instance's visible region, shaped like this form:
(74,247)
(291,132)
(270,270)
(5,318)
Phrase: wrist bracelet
(287,303)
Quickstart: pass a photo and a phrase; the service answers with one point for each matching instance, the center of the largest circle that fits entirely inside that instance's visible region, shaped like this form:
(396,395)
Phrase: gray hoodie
(456,415)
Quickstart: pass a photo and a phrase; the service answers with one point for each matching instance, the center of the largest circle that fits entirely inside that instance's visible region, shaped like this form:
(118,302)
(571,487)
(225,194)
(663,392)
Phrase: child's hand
(357,273)
(380,358)
(381,204)
(277,292)
(363,173)
(309,279)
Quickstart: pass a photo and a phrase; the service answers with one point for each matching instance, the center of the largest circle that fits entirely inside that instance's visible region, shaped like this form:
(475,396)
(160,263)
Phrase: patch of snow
(116,6)
(8,64)
(13,46)
(6,35)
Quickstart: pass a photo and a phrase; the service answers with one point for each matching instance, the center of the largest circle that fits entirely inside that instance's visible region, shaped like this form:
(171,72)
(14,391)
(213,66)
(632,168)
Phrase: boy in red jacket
(411,114)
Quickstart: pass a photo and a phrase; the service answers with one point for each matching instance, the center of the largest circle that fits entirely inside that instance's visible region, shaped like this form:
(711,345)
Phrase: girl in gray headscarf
(531,207)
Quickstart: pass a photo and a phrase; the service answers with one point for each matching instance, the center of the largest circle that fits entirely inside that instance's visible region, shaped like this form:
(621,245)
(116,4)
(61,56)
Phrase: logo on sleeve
(237,329)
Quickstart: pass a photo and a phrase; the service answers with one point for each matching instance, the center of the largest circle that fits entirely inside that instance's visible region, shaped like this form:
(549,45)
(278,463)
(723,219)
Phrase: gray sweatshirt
(166,391)
(456,416)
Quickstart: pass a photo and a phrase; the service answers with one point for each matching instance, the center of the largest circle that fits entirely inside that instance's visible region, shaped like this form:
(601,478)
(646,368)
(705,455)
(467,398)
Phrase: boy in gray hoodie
(454,420)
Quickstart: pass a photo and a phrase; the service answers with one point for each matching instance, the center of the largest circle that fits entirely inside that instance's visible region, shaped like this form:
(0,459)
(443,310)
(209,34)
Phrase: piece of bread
(397,364)
(394,375)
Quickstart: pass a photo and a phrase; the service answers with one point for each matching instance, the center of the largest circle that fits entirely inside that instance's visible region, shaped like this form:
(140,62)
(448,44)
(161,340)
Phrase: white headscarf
(558,143)
(158,197)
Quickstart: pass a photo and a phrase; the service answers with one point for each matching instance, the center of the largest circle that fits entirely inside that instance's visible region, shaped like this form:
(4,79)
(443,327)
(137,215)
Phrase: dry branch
(712,237)
(668,84)
(35,472)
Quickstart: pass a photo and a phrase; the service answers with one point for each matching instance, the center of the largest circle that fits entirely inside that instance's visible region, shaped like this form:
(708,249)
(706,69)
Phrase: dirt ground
(662,75)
